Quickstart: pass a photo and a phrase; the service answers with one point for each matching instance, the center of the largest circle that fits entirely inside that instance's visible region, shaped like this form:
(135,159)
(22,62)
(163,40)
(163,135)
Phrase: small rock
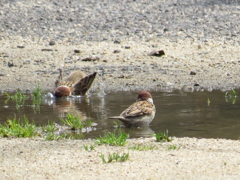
(47,50)
(10,64)
(165,30)
(116,42)
(157,53)
(77,51)
(127,47)
(130,84)
(117,51)
(94,58)
(21,47)
(124,76)
(52,42)
(193,73)
(121,76)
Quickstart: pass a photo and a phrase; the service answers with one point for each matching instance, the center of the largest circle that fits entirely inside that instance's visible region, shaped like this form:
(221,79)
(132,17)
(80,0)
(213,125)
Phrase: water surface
(183,114)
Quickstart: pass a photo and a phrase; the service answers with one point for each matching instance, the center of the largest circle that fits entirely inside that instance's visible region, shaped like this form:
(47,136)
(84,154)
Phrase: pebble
(93,58)
(193,73)
(52,42)
(20,47)
(158,53)
(77,51)
(117,51)
(47,49)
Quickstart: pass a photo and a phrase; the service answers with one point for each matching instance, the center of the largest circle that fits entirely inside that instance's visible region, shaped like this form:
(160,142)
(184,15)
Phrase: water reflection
(76,106)
(63,106)
(139,132)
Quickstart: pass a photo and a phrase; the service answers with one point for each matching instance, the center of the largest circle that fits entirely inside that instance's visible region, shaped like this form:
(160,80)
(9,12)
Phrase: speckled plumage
(77,82)
(139,113)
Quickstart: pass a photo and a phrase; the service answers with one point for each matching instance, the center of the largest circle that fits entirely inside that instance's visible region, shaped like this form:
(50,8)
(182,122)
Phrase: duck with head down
(75,84)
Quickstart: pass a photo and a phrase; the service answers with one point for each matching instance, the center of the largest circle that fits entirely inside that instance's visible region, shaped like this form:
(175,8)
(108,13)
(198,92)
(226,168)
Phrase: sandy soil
(67,159)
(214,65)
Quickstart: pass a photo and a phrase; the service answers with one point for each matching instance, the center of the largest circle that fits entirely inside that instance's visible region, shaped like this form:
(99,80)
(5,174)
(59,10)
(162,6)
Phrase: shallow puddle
(183,114)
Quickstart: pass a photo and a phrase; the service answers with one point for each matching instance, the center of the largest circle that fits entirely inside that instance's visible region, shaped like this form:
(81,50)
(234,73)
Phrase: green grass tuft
(173,147)
(89,148)
(37,98)
(231,96)
(49,134)
(75,122)
(163,137)
(115,157)
(19,97)
(52,136)
(142,147)
(113,139)
(18,128)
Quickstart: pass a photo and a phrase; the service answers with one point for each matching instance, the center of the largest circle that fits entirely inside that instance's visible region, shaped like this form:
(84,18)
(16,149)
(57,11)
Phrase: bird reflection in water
(76,106)
(64,106)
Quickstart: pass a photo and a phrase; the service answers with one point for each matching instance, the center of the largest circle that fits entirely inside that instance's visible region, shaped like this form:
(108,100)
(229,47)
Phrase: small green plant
(75,123)
(231,96)
(37,98)
(173,147)
(74,136)
(19,97)
(50,127)
(49,132)
(142,147)
(89,148)
(115,157)
(162,137)
(18,128)
(37,92)
(208,102)
(113,139)
(50,136)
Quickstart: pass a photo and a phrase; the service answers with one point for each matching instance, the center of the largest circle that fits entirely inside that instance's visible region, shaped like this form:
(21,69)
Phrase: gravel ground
(200,39)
